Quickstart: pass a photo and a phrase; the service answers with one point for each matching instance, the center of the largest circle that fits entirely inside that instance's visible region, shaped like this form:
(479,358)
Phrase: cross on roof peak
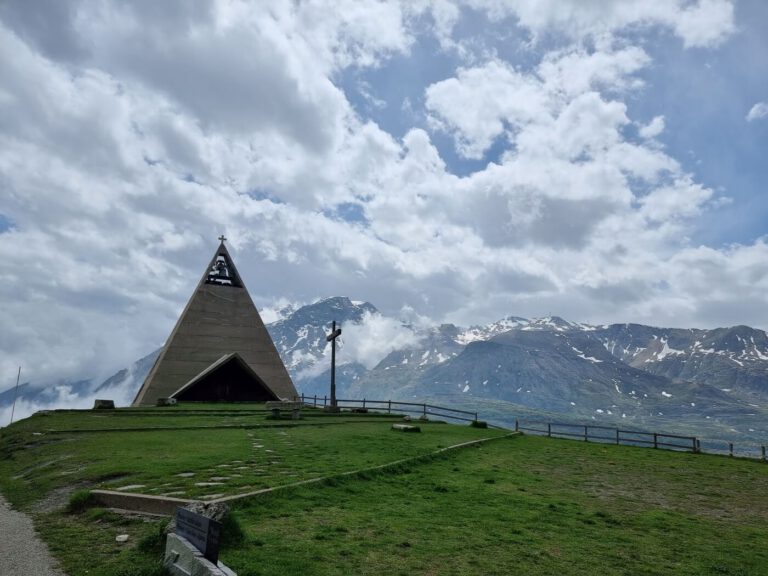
(222,238)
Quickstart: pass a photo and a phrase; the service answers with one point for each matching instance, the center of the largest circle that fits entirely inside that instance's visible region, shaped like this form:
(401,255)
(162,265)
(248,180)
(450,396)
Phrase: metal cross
(335,333)
(222,238)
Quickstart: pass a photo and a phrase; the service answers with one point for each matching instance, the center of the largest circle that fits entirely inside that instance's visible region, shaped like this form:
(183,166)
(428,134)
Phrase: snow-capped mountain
(732,359)
(579,370)
(300,335)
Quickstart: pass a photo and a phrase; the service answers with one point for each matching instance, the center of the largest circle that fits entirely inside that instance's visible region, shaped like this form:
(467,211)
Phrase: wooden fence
(389,406)
(609,435)
(584,432)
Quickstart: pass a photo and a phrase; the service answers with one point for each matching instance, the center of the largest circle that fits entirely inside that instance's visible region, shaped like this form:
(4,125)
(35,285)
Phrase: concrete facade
(218,320)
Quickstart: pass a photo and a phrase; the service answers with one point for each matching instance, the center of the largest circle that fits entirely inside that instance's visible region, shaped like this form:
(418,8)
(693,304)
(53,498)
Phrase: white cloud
(482,103)
(653,128)
(374,337)
(277,310)
(758,111)
(132,135)
(705,23)
(682,199)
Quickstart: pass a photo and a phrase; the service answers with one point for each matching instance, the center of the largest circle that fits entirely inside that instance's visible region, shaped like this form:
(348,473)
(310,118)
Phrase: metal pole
(333,367)
(15,393)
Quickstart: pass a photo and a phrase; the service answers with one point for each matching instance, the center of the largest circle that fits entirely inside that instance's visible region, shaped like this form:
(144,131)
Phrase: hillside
(713,383)
(514,504)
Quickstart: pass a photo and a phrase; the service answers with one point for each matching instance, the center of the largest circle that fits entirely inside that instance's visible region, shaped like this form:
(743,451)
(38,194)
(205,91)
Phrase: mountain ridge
(603,372)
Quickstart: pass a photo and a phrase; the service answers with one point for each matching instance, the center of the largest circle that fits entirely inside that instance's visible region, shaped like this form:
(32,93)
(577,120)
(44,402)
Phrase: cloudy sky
(461,160)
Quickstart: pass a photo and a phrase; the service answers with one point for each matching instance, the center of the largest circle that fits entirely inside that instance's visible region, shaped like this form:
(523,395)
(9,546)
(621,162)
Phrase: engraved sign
(201,531)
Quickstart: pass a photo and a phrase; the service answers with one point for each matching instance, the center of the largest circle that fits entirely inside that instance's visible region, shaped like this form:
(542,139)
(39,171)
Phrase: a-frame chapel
(219,349)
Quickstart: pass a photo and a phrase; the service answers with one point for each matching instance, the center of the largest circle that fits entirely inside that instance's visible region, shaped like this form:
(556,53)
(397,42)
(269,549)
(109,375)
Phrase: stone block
(405,428)
(183,559)
(104,404)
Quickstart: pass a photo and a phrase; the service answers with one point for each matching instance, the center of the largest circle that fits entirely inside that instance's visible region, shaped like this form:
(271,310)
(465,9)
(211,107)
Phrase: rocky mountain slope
(621,372)
(612,372)
(732,359)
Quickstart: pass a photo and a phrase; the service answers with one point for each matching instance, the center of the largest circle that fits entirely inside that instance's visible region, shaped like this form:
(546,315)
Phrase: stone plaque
(201,531)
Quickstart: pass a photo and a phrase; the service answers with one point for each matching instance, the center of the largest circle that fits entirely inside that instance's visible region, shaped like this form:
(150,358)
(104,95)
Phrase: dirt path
(23,553)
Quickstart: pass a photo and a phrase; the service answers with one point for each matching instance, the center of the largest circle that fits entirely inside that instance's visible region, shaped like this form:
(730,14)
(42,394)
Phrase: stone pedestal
(183,559)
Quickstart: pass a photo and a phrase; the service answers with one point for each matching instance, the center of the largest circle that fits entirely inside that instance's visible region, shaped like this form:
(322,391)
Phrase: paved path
(23,553)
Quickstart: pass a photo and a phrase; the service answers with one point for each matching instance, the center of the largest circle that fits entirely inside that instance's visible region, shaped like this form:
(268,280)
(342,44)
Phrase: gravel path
(23,553)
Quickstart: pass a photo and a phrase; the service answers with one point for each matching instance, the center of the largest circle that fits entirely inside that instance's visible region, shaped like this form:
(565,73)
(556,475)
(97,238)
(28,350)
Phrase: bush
(80,501)
(154,542)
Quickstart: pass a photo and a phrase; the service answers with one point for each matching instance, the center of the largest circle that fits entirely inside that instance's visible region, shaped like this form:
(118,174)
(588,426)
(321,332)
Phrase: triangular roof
(220,319)
(229,378)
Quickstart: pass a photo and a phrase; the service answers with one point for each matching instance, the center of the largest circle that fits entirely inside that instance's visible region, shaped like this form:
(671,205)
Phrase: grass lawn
(188,463)
(524,505)
(521,506)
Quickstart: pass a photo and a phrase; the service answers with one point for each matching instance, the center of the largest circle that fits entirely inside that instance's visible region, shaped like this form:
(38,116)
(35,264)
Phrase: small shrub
(479,424)
(80,501)
(154,542)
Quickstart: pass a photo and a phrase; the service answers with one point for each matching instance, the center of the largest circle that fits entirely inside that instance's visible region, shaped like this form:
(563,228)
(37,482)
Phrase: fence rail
(607,434)
(390,406)
(584,432)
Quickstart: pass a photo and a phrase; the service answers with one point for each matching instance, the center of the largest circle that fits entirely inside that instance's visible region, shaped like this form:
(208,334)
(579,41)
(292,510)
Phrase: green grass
(235,415)
(176,461)
(526,505)
(85,543)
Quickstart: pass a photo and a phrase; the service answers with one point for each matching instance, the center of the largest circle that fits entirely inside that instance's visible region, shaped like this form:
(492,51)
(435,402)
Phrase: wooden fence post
(315,401)
(730,449)
(517,428)
(655,440)
(586,435)
(763,447)
(549,430)
(325,399)
(363,402)
(425,410)
(617,436)
(389,407)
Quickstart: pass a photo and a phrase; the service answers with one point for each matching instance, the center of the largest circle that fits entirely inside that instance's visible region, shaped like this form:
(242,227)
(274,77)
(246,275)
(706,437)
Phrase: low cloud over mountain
(622,372)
